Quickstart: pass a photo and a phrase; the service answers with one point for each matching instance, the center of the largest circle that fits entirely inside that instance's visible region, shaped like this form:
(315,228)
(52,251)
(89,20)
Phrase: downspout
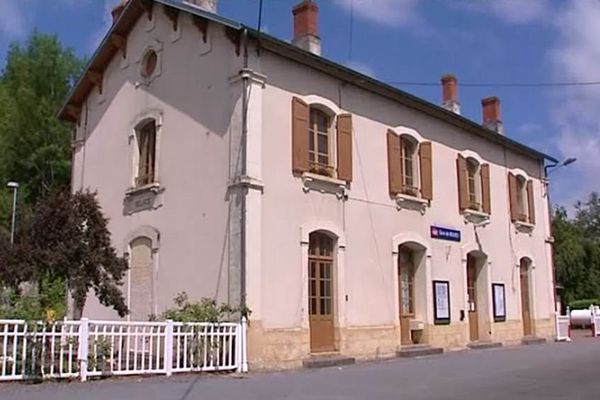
(245,81)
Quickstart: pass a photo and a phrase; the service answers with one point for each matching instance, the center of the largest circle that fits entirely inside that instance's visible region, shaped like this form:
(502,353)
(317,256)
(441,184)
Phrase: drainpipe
(245,82)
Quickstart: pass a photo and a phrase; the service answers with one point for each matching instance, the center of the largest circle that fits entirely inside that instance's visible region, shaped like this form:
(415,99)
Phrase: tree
(34,144)
(66,240)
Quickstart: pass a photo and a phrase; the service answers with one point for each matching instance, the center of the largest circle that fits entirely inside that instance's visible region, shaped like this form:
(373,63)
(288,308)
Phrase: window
(473,184)
(521,198)
(146,148)
(319,143)
(149,63)
(410,179)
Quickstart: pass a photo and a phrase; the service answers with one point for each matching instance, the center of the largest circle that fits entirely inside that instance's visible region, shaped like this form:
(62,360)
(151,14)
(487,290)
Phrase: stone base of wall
(275,349)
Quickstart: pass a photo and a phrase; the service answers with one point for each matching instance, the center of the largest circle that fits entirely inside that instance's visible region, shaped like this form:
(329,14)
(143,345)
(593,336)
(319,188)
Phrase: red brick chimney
(491,114)
(306,26)
(117,10)
(450,93)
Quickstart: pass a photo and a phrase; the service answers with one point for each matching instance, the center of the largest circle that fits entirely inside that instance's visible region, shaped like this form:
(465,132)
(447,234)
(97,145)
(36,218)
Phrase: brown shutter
(512,195)
(486,198)
(530,202)
(394,162)
(300,121)
(426,170)
(344,147)
(463,191)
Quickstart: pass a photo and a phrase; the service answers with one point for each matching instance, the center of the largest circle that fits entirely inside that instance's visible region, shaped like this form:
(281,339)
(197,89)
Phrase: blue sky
(491,41)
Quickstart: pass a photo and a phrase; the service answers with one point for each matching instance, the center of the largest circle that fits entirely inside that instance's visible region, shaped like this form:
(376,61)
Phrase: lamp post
(547,170)
(15,187)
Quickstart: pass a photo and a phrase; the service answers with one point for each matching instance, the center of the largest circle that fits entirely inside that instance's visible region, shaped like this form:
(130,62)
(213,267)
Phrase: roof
(135,8)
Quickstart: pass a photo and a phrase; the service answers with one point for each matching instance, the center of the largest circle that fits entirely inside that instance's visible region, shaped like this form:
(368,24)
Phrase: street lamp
(547,171)
(15,187)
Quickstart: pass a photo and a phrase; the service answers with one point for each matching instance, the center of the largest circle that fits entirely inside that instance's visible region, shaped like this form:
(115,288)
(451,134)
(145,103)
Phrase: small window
(146,146)
(410,181)
(149,64)
(522,214)
(319,153)
(474,184)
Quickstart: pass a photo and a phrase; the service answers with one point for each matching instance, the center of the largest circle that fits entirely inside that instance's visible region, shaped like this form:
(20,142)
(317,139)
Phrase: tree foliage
(66,241)
(577,250)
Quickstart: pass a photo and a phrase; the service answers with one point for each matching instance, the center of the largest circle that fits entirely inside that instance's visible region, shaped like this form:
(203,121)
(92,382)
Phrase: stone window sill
(323,184)
(150,187)
(475,216)
(406,201)
(523,226)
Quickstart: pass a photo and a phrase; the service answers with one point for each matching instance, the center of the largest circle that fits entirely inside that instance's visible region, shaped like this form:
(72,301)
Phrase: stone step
(324,361)
(418,351)
(482,345)
(533,340)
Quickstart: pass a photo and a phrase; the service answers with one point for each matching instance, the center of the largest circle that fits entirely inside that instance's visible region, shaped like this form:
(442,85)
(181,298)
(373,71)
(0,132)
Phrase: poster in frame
(499,302)
(441,302)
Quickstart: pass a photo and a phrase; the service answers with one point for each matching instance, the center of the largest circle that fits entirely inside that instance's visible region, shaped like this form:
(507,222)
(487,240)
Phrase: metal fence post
(82,351)
(168,353)
(244,342)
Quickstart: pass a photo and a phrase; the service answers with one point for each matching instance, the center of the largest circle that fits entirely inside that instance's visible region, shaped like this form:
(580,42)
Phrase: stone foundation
(453,336)
(369,342)
(545,328)
(509,332)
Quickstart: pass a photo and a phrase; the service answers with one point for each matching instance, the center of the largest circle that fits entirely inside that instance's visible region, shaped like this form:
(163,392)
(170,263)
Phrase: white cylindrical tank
(581,317)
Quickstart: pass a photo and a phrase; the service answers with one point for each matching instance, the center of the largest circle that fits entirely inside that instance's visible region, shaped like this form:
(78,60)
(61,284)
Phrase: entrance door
(472,297)
(406,283)
(525,303)
(320,293)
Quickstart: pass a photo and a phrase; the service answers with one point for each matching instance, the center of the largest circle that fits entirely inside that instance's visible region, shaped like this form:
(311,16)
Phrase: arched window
(319,142)
(410,165)
(474,184)
(141,279)
(149,63)
(146,153)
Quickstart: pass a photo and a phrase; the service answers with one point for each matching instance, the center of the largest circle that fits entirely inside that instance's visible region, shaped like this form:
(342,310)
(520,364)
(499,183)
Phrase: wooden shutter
(426,170)
(512,194)
(486,199)
(530,203)
(463,190)
(394,162)
(344,147)
(300,127)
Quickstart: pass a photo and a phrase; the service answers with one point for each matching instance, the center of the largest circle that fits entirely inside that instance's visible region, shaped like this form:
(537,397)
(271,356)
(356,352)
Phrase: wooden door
(525,302)
(320,292)
(406,284)
(472,298)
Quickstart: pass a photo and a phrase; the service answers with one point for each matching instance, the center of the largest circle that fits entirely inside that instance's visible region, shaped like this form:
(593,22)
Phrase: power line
(500,84)
(351,33)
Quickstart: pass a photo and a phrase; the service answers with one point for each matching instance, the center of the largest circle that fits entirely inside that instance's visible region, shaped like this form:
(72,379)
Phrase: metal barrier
(87,348)
(595,312)
(563,328)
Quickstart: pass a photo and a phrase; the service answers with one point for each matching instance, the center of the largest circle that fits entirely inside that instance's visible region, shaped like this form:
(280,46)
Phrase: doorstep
(418,350)
(483,345)
(533,340)
(327,360)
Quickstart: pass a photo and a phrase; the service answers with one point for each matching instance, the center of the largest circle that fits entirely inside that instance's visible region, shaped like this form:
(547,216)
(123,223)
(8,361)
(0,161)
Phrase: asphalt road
(550,371)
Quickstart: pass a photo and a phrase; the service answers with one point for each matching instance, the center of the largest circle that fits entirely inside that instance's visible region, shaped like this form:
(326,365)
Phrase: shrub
(206,310)
(583,304)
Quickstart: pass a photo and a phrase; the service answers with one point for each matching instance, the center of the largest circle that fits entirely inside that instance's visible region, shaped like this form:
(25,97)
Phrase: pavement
(548,371)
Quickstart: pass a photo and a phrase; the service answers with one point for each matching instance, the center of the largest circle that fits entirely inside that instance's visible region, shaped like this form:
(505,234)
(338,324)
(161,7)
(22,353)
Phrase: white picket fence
(86,348)
(563,328)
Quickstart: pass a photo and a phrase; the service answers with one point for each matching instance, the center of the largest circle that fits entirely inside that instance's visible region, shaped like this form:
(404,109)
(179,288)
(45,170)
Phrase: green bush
(583,304)
(206,310)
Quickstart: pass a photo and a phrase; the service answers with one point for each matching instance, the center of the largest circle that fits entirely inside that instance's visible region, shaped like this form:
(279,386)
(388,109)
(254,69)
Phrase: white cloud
(576,57)
(13,22)
(388,12)
(362,68)
(97,37)
(512,11)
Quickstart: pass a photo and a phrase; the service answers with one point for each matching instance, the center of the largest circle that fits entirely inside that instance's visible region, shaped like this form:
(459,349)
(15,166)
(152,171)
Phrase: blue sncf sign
(445,234)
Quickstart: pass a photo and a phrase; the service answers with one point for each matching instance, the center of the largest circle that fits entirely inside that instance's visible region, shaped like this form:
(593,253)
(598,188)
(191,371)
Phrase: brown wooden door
(525,303)
(320,292)
(406,283)
(472,298)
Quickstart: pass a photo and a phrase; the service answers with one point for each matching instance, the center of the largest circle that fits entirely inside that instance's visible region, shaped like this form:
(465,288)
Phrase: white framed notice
(441,302)
(499,302)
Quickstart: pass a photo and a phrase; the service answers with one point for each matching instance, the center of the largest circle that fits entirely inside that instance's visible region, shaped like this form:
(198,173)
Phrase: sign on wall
(445,233)
(499,302)
(441,302)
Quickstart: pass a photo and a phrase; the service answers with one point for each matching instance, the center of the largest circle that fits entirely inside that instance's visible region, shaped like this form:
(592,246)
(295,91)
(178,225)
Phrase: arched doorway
(320,291)
(477,299)
(524,271)
(410,257)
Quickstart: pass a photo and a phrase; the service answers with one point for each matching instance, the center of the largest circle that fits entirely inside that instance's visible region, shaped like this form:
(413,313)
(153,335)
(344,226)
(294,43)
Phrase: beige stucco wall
(193,97)
(198,238)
